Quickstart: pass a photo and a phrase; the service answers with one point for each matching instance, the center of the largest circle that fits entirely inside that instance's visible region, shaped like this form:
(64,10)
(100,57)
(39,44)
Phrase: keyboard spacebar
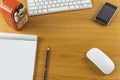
(57,9)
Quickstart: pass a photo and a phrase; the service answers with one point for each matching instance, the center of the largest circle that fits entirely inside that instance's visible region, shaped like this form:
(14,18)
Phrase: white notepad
(17,56)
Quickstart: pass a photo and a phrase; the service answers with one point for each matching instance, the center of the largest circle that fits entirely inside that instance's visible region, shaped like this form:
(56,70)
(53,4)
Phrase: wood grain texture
(71,35)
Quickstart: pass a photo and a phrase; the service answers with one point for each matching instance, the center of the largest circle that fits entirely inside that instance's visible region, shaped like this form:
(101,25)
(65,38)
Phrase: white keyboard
(37,7)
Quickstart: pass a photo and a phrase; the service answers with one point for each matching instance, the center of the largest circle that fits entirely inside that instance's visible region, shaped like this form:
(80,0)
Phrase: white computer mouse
(101,60)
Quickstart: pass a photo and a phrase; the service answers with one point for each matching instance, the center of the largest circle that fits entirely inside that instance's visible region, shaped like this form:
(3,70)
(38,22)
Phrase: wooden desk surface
(71,35)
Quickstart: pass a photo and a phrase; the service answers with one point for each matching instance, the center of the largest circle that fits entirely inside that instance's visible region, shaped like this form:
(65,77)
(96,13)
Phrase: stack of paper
(17,56)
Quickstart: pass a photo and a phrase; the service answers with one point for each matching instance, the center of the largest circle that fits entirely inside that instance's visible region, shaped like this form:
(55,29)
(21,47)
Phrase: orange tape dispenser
(14,13)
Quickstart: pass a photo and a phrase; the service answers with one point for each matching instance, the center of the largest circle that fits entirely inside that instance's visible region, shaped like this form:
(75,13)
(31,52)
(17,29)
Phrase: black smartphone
(106,13)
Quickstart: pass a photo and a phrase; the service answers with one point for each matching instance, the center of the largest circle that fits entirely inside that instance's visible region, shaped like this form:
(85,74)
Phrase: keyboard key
(40,7)
(72,7)
(35,12)
(32,4)
(39,11)
(30,12)
(58,9)
(76,6)
(44,10)
(33,8)
(49,6)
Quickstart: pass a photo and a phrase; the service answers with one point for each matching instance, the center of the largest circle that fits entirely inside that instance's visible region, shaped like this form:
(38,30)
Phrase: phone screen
(106,13)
